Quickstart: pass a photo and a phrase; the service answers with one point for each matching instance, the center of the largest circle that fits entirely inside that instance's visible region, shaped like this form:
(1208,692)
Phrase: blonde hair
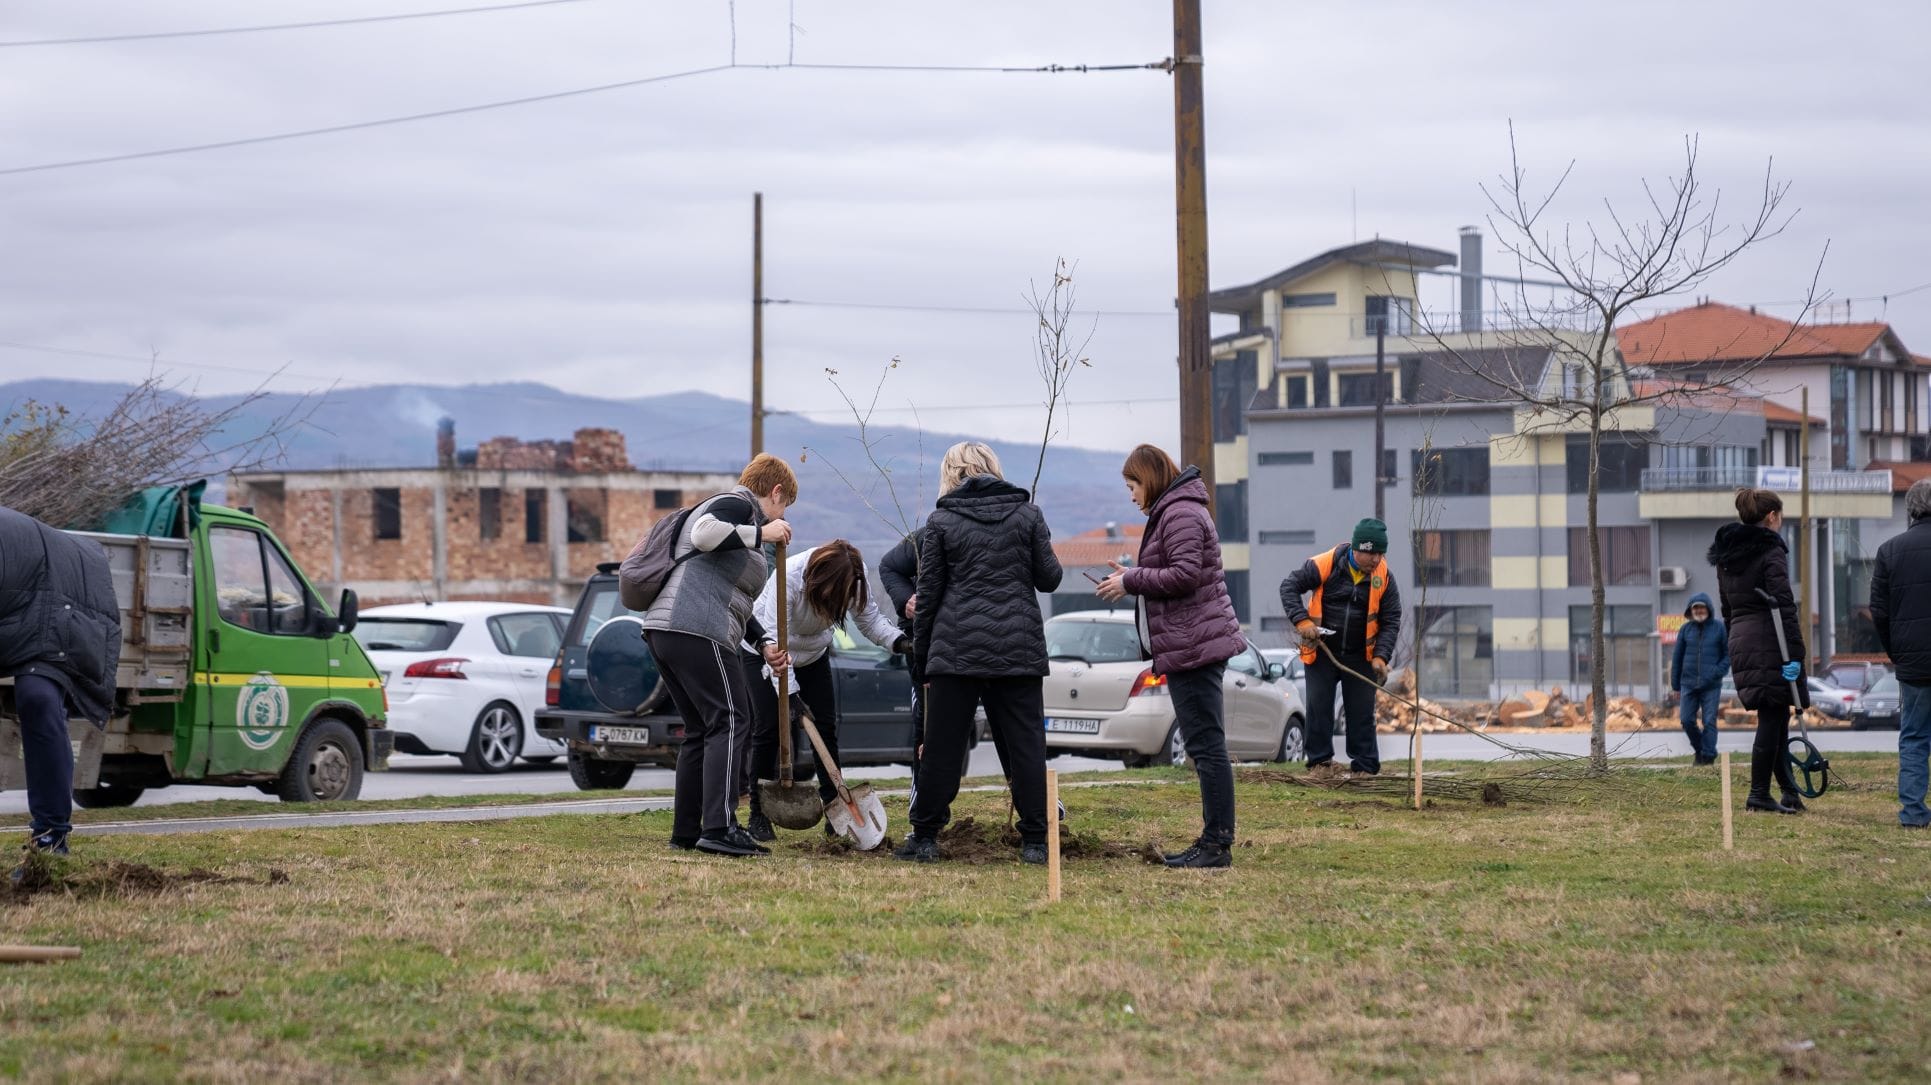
(963,461)
(765,473)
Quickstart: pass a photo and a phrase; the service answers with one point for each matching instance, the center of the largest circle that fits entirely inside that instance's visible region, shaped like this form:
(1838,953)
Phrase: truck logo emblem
(261,711)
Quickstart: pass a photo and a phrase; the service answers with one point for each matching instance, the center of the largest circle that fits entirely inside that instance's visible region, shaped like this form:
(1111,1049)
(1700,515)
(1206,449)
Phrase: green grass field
(1353,939)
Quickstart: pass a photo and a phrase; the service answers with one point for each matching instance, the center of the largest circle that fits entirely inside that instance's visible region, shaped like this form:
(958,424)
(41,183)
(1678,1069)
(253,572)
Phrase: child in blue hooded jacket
(1702,659)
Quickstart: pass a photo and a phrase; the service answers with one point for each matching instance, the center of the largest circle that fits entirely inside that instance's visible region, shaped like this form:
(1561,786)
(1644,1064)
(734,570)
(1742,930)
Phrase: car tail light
(553,686)
(1148,682)
(446,667)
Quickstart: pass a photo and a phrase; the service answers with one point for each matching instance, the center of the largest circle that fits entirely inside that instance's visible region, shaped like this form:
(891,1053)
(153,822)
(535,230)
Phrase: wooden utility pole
(757,323)
(1803,536)
(1190,206)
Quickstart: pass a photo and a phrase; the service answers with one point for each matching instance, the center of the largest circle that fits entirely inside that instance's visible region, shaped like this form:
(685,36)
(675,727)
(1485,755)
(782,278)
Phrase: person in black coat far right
(1751,557)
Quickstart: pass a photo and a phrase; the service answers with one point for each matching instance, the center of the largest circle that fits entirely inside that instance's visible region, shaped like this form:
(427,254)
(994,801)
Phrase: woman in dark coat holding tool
(1187,625)
(979,639)
(1753,561)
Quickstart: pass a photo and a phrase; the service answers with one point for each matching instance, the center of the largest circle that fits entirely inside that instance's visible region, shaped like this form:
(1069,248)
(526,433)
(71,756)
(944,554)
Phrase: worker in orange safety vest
(1353,608)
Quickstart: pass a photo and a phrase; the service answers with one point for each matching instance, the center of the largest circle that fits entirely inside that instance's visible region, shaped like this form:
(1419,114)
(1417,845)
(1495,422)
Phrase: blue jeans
(1704,702)
(49,753)
(1913,749)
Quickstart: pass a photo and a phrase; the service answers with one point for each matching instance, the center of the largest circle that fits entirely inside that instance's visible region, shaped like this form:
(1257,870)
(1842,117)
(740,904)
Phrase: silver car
(1103,700)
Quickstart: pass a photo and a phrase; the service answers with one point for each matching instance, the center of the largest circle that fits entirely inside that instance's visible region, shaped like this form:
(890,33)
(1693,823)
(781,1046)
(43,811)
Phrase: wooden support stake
(1052,836)
(1417,763)
(38,953)
(1723,763)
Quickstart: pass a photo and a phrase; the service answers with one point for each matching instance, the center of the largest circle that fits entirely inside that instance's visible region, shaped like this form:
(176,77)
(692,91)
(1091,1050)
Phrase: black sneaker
(918,849)
(734,842)
(1202,856)
(1699,761)
(49,841)
(759,827)
(683,843)
(1033,854)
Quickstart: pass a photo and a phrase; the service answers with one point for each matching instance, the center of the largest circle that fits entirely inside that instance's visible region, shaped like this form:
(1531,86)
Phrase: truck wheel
(595,774)
(495,741)
(326,766)
(107,796)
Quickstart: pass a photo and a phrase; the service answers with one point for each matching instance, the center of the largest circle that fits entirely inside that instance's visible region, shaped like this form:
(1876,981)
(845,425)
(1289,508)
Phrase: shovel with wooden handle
(786,802)
(854,812)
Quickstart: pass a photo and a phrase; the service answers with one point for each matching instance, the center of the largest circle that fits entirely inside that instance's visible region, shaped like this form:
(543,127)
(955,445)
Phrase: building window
(1296,387)
(666,499)
(1286,538)
(1625,634)
(1343,469)
(1230,511)
(1388,467)
(583,515)
(1451,472)
(1357,389)
(388,512)
(1233,389)
(1276,623)
(1395,315)
(1625,556)
(535,509)
(1306,301)
(1238,581)
(1457,651)
(1621,467)
(1452,558)
(1286,459)
(489,514)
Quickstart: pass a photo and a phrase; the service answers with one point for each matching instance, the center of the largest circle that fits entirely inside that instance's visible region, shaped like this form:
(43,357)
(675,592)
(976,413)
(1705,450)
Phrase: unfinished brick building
(510,520)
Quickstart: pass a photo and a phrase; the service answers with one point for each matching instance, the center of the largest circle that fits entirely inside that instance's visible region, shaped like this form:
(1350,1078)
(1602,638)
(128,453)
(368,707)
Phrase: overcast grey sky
(602,243)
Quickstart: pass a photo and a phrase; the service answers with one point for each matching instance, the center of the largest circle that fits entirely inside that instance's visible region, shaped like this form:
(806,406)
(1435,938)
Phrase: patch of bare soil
(49,874)
(966,841)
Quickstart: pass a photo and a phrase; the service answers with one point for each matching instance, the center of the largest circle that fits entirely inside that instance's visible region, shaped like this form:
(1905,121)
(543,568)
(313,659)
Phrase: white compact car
(1102,700)
(466,679)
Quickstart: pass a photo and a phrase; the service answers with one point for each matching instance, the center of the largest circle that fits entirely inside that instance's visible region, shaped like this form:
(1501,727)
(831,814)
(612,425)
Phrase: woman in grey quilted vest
(979,639)
(694,629)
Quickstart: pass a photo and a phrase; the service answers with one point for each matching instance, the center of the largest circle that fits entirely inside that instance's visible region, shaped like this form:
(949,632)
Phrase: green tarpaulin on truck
(157,511)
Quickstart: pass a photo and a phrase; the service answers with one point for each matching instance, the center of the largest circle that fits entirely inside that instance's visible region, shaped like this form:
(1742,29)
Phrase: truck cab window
(254,586)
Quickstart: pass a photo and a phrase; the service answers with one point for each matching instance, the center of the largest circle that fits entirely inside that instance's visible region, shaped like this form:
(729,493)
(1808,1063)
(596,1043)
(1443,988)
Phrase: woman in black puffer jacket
(1751,558)
(978,638)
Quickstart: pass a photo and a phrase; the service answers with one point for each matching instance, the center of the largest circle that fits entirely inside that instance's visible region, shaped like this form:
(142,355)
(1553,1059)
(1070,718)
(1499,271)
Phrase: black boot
(1760,800)
(1787,784)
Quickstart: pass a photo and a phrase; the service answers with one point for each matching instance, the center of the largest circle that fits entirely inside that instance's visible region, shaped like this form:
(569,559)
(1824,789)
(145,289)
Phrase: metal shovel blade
(864,826)
(794,805)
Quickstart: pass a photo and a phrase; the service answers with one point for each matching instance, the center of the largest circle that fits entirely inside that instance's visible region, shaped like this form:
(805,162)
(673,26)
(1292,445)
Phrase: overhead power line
(214,31)
(556,95)
(1013,310)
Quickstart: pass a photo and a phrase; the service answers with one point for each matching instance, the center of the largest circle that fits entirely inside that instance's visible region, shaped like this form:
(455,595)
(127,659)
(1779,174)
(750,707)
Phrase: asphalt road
(413,777)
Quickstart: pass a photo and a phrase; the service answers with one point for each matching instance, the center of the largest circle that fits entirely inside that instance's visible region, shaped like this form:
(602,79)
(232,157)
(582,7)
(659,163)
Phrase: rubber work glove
(1307,631)
(1791,670)
(1380,670)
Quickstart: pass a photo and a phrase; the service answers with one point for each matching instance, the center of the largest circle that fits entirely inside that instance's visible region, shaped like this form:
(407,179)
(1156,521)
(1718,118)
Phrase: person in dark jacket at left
(1352,594)
(978,638)
(1188,625)
(60,642)
(1752,560)
(1696,675)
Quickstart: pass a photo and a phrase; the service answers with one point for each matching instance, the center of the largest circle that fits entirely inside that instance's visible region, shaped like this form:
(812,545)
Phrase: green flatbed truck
(232,670)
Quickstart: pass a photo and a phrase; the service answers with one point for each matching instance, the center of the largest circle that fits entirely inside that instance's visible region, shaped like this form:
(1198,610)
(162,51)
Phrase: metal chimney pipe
(1471,279)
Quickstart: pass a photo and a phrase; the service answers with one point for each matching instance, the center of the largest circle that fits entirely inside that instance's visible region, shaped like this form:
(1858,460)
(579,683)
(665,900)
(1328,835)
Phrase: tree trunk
(1599,723)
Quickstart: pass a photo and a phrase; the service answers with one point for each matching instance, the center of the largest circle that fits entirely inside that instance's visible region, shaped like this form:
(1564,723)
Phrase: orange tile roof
(1777,412)
(1712,331)
(1094,548)
(1903,474)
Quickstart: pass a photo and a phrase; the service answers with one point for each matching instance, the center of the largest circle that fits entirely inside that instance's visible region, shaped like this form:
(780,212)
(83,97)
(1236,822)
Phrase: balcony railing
(1785,480)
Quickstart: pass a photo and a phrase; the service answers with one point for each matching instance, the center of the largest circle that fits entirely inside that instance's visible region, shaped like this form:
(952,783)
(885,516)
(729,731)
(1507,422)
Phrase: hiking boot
(918,849)
(47,843)
(734,842)
(1794,801)
(1204,855)
(1032,854)
(1761,802)
(759,827)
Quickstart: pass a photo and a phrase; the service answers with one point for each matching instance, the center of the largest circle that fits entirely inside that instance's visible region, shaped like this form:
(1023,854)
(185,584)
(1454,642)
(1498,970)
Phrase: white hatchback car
(1103,700)
(466,679)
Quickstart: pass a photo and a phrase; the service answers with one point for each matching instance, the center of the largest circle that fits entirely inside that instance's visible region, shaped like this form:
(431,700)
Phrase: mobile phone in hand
(1090,576)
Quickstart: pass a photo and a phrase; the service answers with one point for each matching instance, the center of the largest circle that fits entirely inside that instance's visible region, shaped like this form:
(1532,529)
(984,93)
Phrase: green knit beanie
(1371,536)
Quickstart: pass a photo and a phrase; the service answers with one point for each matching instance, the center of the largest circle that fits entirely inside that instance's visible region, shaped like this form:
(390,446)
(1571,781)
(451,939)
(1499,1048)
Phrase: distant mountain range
(395,426)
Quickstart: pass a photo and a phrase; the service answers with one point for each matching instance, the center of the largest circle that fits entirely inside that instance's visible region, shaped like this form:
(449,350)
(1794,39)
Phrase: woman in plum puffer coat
(1187,624)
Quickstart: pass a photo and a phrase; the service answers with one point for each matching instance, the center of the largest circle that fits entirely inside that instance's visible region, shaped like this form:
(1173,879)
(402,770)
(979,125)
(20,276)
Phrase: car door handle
(529,674)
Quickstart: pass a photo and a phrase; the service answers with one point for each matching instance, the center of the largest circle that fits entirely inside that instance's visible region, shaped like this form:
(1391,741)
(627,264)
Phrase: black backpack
(642,576)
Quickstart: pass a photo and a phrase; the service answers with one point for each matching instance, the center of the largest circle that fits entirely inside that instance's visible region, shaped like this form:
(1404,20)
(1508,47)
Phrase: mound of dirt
(51,874)
(966,841)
